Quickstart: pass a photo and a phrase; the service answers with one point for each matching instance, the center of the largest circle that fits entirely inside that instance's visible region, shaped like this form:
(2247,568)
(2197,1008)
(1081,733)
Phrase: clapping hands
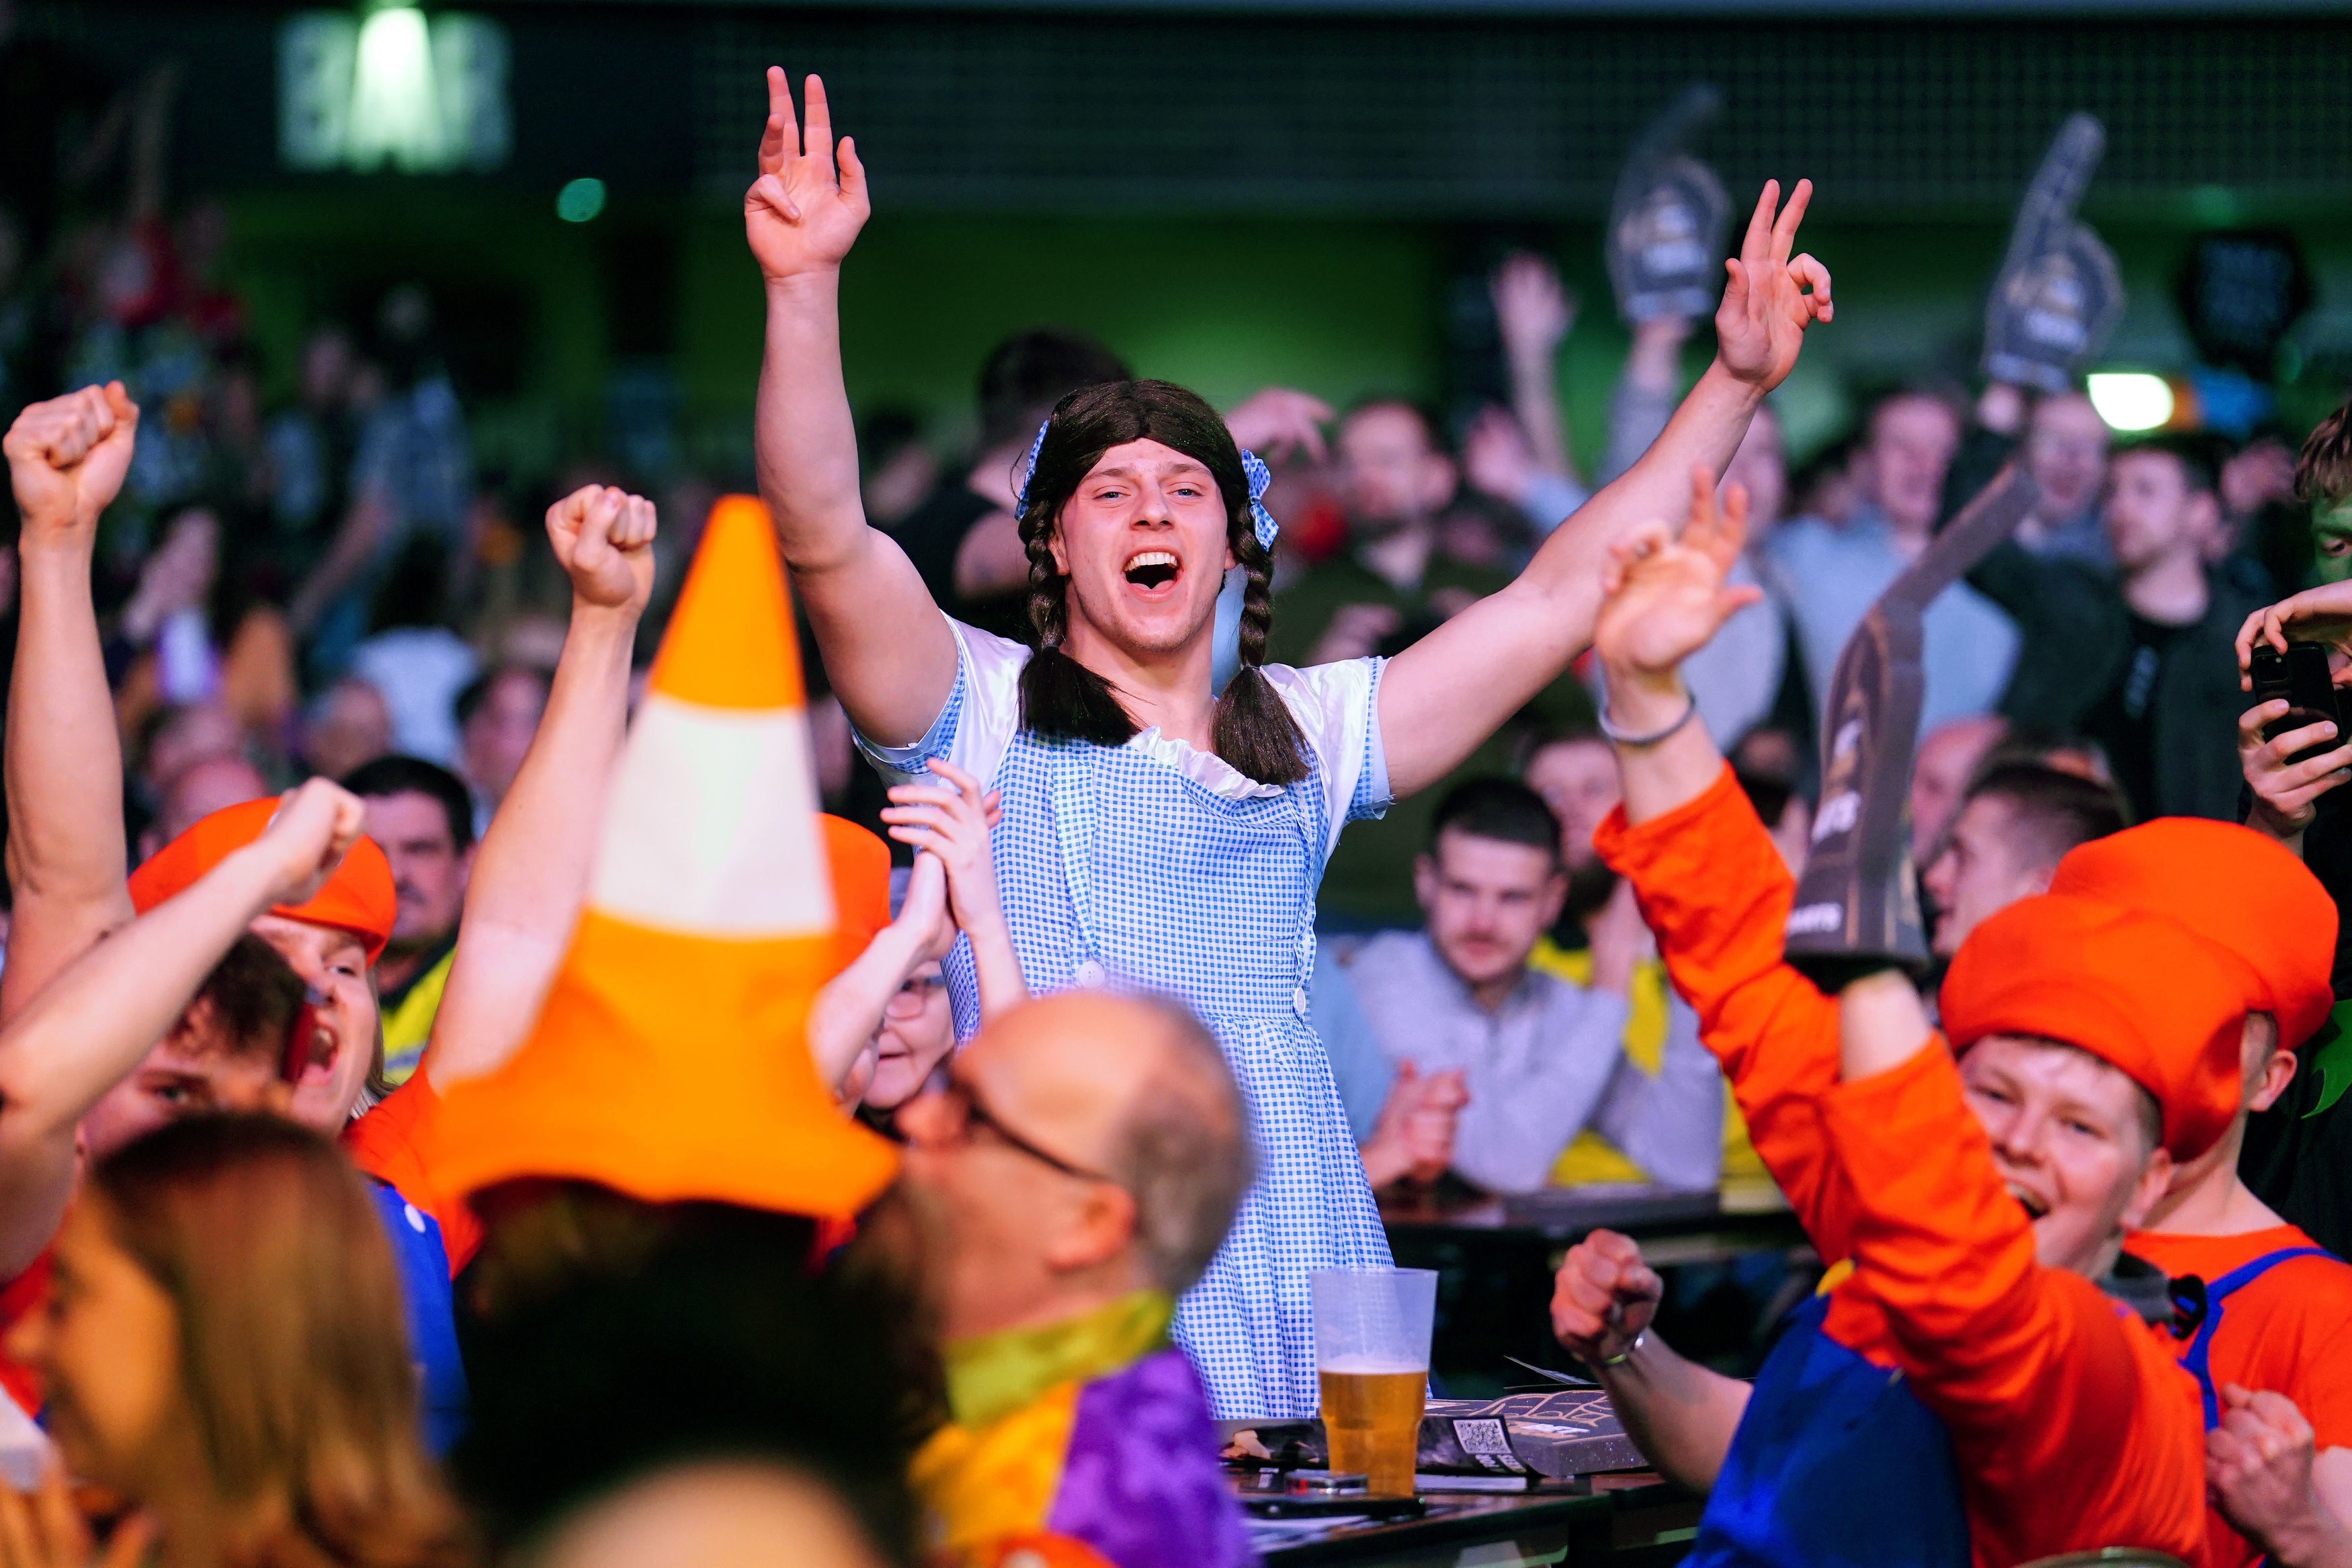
(949,823)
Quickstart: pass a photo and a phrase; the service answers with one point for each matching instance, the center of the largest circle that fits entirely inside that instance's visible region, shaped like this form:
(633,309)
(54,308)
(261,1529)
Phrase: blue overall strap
(2200,1347)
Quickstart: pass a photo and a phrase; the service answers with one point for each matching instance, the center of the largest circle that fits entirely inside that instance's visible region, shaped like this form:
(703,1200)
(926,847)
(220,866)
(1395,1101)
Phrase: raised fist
(67,457)
(603,539)
(1603,1297)
(315,827)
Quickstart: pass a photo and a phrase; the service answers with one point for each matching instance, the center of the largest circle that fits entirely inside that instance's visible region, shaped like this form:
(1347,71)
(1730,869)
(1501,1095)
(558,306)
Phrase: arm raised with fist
(530,876)
(95,1019)
(66,460)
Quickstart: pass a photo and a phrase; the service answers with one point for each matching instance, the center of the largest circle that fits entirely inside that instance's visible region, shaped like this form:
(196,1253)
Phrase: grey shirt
(1540,1069)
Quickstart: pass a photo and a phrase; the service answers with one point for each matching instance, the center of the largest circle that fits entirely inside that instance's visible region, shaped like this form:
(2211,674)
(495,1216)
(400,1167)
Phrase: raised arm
(1441,698)
(888,649)
(1710,883)
(67,458)
(849,1009)
(92,1024)
(532,872)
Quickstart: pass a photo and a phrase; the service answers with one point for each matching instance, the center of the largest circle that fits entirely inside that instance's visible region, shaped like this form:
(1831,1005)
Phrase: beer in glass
(1372,1356)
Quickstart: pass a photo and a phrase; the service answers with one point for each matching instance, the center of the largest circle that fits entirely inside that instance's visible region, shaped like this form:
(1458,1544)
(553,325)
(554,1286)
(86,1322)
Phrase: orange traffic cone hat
(671,1061)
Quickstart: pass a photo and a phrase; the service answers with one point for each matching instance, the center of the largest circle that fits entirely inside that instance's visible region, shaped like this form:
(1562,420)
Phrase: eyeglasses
(964,1112)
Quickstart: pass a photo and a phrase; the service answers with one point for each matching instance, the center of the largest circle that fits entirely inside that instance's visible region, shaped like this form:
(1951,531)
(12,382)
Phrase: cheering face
(106,1345)
(1143,543)
(332,963)
(196,1069)
(2073,1141)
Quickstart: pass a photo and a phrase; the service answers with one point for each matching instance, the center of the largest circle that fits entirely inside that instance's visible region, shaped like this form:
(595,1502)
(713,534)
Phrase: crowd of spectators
(328,591)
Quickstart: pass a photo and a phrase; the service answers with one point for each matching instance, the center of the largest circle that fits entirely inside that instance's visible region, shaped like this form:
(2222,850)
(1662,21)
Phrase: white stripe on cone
(712,825)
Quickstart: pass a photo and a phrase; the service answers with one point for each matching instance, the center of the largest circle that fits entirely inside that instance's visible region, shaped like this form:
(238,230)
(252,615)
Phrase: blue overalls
(424,1263)
(2199,1360)
(1835,1462)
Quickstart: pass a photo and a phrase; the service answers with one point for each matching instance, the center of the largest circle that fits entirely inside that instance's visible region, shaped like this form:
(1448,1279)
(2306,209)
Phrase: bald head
(1136,1088)
(712,1513)
(1087,1145)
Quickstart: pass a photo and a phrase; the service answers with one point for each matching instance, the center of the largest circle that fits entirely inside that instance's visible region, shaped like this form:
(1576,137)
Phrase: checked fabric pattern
(1152,866)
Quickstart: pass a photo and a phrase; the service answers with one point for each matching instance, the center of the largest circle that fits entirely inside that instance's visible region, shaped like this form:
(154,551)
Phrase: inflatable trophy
(1857,905)
(1670,218)
(2058,295)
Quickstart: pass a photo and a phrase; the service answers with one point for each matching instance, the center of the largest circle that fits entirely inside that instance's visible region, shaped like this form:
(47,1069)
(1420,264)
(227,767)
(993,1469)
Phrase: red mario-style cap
(2143,993)
(2234,888)
(358,898)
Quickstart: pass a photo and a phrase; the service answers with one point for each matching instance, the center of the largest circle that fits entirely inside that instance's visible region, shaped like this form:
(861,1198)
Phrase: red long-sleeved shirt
(2072,1425)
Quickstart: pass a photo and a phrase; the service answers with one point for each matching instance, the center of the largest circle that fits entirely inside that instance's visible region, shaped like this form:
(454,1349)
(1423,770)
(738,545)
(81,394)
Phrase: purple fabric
(1141,1483)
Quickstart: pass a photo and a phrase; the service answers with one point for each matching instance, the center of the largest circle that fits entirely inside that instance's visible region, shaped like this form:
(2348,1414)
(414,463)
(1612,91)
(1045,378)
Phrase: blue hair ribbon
(1254,467)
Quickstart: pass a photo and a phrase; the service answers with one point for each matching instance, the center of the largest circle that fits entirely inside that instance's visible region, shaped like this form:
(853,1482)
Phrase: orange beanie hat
(671,1061)
(2234,888)
(358,898)
(2138,991)
(860,865)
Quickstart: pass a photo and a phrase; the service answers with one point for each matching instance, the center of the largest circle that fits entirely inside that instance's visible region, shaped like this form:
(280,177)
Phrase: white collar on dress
(1206,768)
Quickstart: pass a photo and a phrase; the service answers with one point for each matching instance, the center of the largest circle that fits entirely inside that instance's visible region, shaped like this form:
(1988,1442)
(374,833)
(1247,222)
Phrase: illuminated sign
(394,89)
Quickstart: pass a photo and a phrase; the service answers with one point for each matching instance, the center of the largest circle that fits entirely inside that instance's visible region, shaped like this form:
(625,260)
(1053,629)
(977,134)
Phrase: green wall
(1340,307)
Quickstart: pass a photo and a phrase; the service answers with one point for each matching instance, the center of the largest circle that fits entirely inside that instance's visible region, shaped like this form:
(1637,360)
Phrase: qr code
(1484,1439)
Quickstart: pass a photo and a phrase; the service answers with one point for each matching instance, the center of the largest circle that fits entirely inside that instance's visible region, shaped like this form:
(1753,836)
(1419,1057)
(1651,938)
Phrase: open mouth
(2034,1206)
(1150,570)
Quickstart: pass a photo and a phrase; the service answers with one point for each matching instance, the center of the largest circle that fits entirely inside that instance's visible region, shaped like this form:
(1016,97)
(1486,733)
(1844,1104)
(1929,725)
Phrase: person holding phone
(2298,1153)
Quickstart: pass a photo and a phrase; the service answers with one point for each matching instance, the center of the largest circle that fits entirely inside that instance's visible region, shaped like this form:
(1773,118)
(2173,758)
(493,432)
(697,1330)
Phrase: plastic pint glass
(1372,1352)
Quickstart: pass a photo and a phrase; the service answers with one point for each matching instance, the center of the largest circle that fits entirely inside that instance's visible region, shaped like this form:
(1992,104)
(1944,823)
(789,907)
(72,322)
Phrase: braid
(1061,699)
(1254,730)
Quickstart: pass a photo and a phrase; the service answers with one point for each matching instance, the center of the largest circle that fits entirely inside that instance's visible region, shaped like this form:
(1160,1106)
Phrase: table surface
(1453,1519)
(1561,1213)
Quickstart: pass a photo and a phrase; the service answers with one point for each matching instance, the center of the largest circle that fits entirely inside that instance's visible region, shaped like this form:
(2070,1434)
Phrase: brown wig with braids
(1061,699)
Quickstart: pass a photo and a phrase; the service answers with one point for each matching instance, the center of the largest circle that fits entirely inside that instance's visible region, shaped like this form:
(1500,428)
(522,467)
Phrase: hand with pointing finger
(803,212)
(603,537)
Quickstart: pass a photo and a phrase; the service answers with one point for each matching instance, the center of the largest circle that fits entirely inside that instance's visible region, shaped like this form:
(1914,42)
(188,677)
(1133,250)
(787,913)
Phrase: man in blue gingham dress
(1158,866)
(1134,849)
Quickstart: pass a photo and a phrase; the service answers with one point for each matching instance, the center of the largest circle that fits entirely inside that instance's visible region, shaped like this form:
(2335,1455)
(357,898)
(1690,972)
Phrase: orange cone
(671,1061)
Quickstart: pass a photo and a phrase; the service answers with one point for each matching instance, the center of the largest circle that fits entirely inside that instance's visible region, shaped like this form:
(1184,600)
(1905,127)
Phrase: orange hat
(860,863)
(2234,888)
(2138,991)
(671,1061)
(358,898)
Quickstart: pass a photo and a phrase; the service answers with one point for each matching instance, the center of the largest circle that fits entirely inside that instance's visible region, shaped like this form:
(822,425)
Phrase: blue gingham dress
(1153,866)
